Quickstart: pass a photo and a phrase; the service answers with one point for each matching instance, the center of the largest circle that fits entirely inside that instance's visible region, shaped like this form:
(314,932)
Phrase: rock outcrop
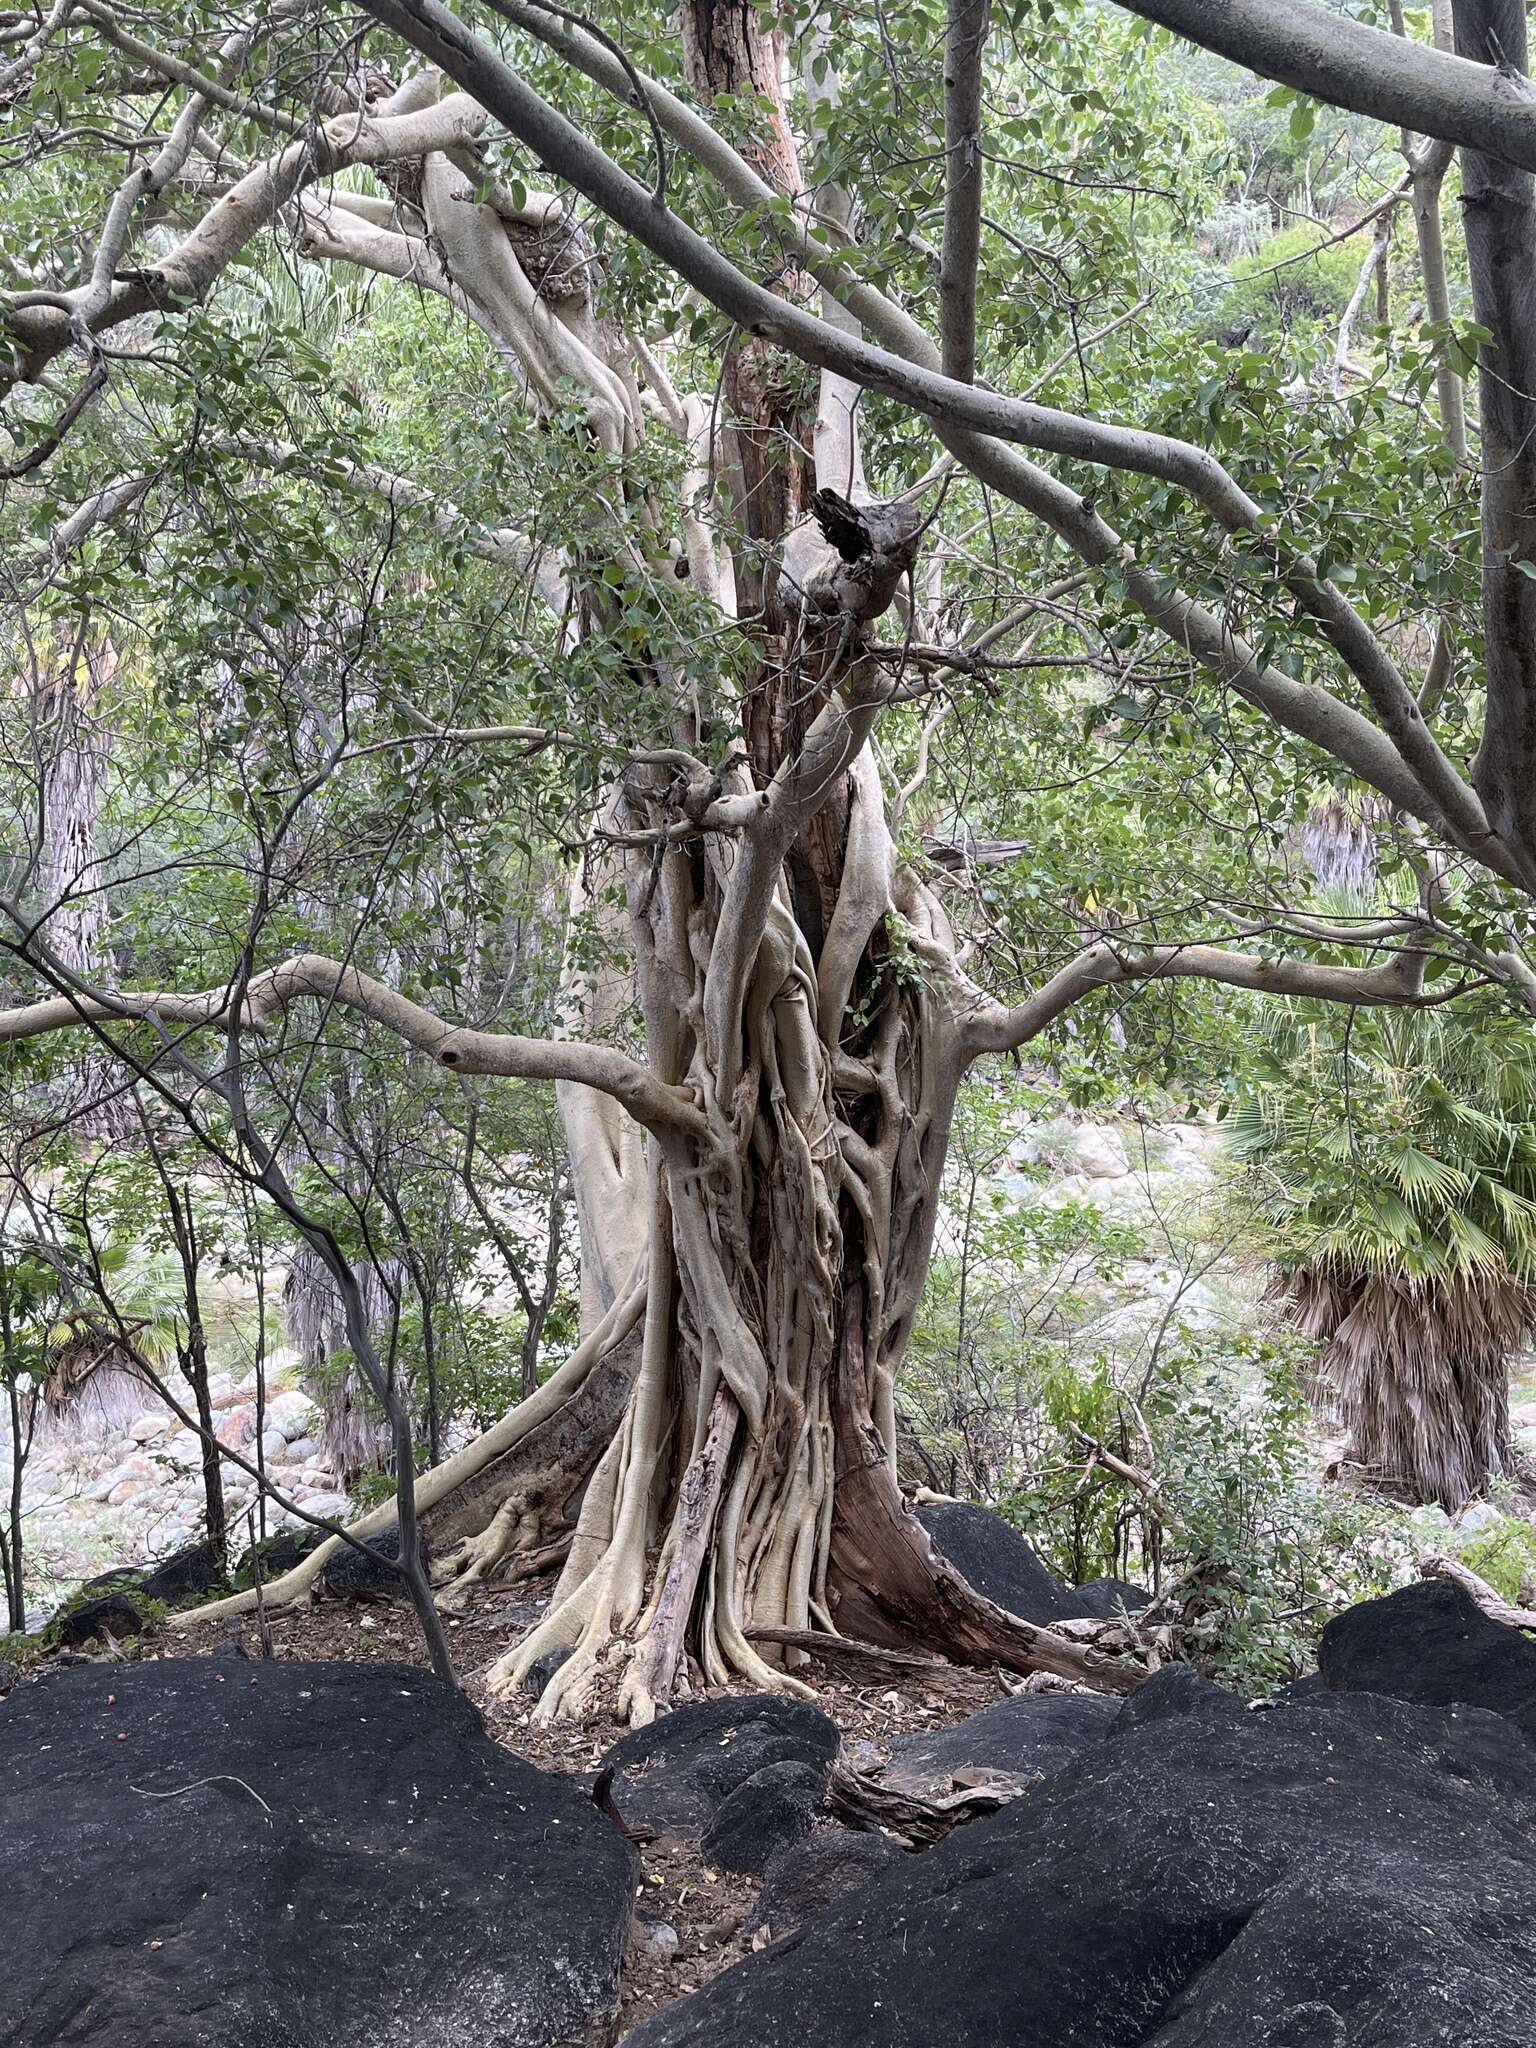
(200,1854)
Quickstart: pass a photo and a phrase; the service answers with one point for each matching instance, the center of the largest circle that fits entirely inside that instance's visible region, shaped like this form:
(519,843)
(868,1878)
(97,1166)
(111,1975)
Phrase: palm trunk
(1417,1373)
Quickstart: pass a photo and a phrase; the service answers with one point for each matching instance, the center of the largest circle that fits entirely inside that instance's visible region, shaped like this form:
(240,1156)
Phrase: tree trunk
(1418,1374)
(718,1457)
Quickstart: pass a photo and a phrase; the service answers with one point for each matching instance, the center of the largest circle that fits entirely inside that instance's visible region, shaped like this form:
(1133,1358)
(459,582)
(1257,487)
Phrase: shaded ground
(677,1887)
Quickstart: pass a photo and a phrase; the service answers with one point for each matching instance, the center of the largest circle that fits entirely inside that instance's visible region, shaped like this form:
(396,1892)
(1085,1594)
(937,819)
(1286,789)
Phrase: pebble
(658,1939)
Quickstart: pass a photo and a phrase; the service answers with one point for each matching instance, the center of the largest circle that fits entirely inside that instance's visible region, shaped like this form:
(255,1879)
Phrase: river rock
(1100,1152)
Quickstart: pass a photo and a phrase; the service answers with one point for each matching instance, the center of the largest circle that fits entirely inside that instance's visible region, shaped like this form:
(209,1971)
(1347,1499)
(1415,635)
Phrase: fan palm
(1392,1154)
(94,1381)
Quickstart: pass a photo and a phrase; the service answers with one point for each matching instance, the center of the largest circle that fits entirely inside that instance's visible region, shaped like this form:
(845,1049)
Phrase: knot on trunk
(851,565)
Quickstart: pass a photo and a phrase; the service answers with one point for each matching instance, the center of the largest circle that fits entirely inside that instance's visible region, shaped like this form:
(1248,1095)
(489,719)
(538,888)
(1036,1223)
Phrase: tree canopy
(741,565)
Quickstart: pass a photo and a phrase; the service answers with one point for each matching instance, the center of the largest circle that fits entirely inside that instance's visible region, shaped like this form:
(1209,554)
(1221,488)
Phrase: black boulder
(994,1558)
(1431,1643)
(1025,1737)
(673,1775)
(767,1812)
(1357,1872)
(280,1855)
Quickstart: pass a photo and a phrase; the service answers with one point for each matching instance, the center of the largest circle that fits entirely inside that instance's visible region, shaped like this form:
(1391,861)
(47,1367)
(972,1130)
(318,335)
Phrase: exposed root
(657,1656)
(465,1568)
(919,1819)
(552,1430)
(894,1588)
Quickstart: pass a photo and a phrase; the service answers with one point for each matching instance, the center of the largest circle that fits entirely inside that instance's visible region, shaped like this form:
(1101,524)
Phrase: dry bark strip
(1488,1598)
(863,1802)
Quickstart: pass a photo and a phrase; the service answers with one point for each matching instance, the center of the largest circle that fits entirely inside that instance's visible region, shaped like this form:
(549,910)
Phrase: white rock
(184,1449)
(274,1446)
(293,1413)
(1100,1153)
(1051,1142)
(658,1940)
(334,1506)
(100,1490)
(1482,1515)
(148,1427)
(303,1450)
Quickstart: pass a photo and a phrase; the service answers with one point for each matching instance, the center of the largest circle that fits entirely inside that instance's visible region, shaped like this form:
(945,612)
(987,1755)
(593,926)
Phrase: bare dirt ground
(707,1907)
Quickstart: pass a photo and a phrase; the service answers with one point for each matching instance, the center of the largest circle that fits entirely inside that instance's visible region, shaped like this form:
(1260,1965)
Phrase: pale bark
(1499,213)
(1336,58)
(714,1467)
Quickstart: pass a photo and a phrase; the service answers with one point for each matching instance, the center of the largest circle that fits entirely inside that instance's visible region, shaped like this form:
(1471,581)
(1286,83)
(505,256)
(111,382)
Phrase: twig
(219,1778)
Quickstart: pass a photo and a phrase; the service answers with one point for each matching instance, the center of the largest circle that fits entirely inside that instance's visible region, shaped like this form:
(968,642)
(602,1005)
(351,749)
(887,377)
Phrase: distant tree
(1394,1160)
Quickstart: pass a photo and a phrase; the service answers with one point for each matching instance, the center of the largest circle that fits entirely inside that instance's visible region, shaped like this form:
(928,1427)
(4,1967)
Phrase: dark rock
(280,1553)
(1110,1598)
(1025,1737)
(810,1874)
(994,1557)
(1307,1687)
(673,1775)
(1431,1643)
(185,1575)
(93,1621)
(516,1618)
(1358,1867)
(122,1578)
(365,1572)
(118,1597)
(1174,1693)
(767,1812)
(543,1669)
(341,1856)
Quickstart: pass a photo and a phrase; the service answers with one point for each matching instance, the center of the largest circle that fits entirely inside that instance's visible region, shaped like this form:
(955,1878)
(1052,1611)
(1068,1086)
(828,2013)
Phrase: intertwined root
(512,1548)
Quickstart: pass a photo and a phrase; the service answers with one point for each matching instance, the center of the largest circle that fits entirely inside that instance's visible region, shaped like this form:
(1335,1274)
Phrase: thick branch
(1499,211)
(502,545)
(188,272)
(1423,778)
(963,166)
(1334,58)
(454,1046)
(1396,982)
